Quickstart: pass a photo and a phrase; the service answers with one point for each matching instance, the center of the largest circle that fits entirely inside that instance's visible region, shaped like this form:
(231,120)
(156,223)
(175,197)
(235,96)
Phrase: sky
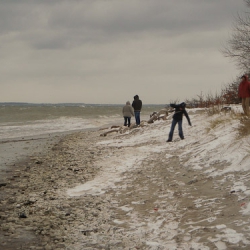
(218,154)
(107,51)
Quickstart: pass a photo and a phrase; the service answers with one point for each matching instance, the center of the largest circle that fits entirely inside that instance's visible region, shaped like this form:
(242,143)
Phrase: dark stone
(192,182)
(29,202)
(22,215)
(226,109)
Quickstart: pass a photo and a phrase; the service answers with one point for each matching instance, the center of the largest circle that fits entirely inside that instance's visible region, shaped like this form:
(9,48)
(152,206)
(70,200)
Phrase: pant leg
(125,120)
(247,105)
(135,112)
(171,133)
(129,119)
(180,129)
(137,117)
(243,103)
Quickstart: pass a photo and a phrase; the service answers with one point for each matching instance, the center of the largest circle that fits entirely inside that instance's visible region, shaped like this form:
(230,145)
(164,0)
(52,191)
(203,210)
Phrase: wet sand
(19,149)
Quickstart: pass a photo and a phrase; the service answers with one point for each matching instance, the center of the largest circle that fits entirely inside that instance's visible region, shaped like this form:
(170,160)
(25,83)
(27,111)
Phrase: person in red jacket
(244,93)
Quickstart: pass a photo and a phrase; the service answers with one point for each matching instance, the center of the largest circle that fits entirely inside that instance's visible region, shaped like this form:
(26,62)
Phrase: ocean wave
(61,124)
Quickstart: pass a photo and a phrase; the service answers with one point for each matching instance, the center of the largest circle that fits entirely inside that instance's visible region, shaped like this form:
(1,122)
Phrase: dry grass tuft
(214,110)
(217,122)
(224,118)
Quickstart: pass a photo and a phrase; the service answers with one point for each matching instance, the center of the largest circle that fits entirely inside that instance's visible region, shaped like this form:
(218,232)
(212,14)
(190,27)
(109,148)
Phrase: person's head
(136,97)
(128,103)
(244,77)
(183,105)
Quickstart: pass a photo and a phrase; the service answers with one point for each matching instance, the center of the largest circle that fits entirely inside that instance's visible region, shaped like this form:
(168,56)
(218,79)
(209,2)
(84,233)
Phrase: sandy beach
(127,191)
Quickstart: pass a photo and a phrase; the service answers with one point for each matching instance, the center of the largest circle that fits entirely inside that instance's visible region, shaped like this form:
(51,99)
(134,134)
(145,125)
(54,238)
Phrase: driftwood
(108,132)
(161,115)
(115,126)
(120,129)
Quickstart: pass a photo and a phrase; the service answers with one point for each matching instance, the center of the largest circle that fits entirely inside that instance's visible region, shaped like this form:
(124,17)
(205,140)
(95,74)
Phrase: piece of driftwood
(103,128)
(110,131)
(161,115)
(115,126)
(118,129)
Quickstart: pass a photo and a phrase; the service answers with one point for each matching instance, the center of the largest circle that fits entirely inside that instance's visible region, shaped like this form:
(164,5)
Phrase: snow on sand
(187,194)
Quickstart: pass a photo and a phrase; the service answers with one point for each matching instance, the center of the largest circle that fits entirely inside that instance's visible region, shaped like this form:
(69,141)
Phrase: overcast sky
(106,51)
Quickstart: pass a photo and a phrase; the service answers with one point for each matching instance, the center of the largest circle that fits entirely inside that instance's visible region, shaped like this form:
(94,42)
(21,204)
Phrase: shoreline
(19,149)
(14,150)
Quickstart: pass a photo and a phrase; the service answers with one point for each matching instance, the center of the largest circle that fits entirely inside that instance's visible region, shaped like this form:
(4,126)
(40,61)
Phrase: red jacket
(244,88)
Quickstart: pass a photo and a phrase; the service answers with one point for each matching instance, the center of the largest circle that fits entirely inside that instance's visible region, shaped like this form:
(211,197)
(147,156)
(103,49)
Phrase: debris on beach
(155,116)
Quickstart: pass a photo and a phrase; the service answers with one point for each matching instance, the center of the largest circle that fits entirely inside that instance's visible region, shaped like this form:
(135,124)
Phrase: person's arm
(239,90)
(132,111)
(249,88)
(123,110)
(186,114)
(173,105)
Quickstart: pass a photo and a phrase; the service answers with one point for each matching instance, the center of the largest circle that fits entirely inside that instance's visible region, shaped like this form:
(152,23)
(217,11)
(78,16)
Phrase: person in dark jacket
(137,105)
(244,93)
(177,118)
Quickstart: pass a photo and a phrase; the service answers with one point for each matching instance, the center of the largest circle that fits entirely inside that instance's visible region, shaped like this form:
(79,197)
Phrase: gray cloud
(63,24)
(134,43)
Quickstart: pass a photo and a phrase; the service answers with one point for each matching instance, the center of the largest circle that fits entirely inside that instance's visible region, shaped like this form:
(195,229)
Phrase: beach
(130,190)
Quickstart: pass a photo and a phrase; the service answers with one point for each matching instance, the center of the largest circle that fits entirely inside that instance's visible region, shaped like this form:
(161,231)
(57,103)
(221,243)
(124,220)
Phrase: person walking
(127,112)
(137,105)
(177,118)
(244,93)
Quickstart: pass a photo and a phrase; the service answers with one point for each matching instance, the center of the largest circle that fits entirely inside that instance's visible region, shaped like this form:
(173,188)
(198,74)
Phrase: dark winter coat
(137,103)
(179,112)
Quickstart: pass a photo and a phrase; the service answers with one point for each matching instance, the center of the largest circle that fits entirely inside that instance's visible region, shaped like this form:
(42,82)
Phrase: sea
(19,120)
